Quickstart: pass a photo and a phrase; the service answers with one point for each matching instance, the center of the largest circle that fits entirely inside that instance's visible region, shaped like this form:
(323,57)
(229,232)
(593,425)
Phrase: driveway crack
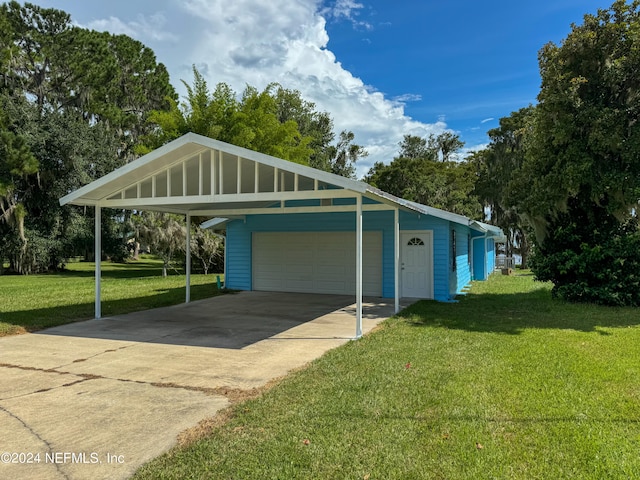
(83,377)
(110,350)
(37,435)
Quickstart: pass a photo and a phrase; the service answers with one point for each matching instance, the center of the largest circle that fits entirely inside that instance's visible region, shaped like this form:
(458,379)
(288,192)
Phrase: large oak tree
(580,181)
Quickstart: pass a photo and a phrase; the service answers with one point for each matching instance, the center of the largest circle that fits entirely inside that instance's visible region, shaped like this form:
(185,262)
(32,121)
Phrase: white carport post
(358,266)
(188,265)
(396,257)
(98,259)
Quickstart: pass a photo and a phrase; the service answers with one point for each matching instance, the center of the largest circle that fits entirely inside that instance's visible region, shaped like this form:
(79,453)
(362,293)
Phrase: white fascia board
(233,213)
(122,171)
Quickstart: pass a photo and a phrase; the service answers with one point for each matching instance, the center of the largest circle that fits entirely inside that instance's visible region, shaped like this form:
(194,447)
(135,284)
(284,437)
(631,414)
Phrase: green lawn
(29,303)
(507,384)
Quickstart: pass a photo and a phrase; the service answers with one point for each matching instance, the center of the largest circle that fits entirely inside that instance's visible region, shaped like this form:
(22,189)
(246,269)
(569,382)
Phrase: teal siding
(238,268)
(461,277)
(490,256)
(446,284)
(479,258)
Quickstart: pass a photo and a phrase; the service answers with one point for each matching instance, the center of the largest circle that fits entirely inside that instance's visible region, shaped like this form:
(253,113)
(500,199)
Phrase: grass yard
(505,384)
(34,302)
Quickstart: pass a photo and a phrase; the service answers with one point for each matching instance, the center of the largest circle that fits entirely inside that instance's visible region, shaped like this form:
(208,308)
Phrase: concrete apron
(97,399)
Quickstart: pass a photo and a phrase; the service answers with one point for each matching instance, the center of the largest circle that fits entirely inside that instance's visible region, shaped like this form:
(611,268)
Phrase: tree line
(561,178)
(76,104)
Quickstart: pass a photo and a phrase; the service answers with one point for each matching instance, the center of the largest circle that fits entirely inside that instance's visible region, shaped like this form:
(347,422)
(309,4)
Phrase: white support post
(188,265)
(275,179)
(256,177)
(98,254)
(358,266)
(239,176)
(184,179)
(220,173)
(396,257)
(213,172)
(200,179)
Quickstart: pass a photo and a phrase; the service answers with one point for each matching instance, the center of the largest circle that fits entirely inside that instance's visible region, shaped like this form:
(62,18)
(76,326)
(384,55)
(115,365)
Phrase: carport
(197,176)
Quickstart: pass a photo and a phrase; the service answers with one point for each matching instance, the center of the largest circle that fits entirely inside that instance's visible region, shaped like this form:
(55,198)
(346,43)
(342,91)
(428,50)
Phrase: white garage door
(316,262)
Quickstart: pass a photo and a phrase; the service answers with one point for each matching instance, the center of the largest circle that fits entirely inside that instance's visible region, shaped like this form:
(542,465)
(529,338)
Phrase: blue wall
(446,283)
(479,267)
(461,276)
(490,256)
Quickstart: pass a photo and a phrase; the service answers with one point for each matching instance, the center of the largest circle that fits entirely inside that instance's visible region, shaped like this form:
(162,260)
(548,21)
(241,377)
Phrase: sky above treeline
(381,69)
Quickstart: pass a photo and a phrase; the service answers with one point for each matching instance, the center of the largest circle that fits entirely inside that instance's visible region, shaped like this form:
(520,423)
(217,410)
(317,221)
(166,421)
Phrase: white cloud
(408,97)
(249,42)
(487,120)
(149,27)
(252,42)
(347,10)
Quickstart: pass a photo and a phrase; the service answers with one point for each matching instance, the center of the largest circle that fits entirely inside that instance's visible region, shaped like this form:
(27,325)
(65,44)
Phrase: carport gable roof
(206,177)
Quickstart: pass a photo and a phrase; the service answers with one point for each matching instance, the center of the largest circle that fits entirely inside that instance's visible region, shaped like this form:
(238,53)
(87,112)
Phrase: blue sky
(382,69)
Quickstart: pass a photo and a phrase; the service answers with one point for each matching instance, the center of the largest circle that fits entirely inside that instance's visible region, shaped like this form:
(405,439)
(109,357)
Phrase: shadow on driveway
(231,321)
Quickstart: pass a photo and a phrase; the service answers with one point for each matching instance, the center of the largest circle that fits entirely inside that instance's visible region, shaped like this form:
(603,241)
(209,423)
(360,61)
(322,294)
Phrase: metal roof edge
(491,231)
(218,221)
(420,208)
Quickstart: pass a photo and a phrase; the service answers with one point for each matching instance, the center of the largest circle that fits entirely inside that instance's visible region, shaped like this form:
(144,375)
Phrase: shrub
(591,258)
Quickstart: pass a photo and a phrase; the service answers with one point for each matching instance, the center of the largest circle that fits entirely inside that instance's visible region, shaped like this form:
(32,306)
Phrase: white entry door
(416,249)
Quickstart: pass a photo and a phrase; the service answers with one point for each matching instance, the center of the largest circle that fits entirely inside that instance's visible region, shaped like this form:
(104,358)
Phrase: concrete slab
(102,397)
(97,428)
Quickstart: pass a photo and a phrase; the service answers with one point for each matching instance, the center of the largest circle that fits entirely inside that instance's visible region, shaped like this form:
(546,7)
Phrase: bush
(591,258)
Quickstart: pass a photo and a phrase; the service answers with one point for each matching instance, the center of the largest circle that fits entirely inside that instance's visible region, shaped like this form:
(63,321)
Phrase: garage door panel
(318,262)
(329,270)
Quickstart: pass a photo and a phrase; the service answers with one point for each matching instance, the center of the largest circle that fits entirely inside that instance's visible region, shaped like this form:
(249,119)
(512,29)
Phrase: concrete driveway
(98,399)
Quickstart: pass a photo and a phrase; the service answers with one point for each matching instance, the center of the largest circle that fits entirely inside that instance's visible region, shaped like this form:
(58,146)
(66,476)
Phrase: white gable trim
(137,185)
(182,150)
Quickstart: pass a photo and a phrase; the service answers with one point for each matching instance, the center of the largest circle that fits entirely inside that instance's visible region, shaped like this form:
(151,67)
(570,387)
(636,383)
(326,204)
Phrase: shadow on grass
(514,313)
(117,270)
(40,318)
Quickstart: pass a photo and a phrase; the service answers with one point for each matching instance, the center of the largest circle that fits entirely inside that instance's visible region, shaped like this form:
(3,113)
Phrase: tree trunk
(165,265)
(524,252)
